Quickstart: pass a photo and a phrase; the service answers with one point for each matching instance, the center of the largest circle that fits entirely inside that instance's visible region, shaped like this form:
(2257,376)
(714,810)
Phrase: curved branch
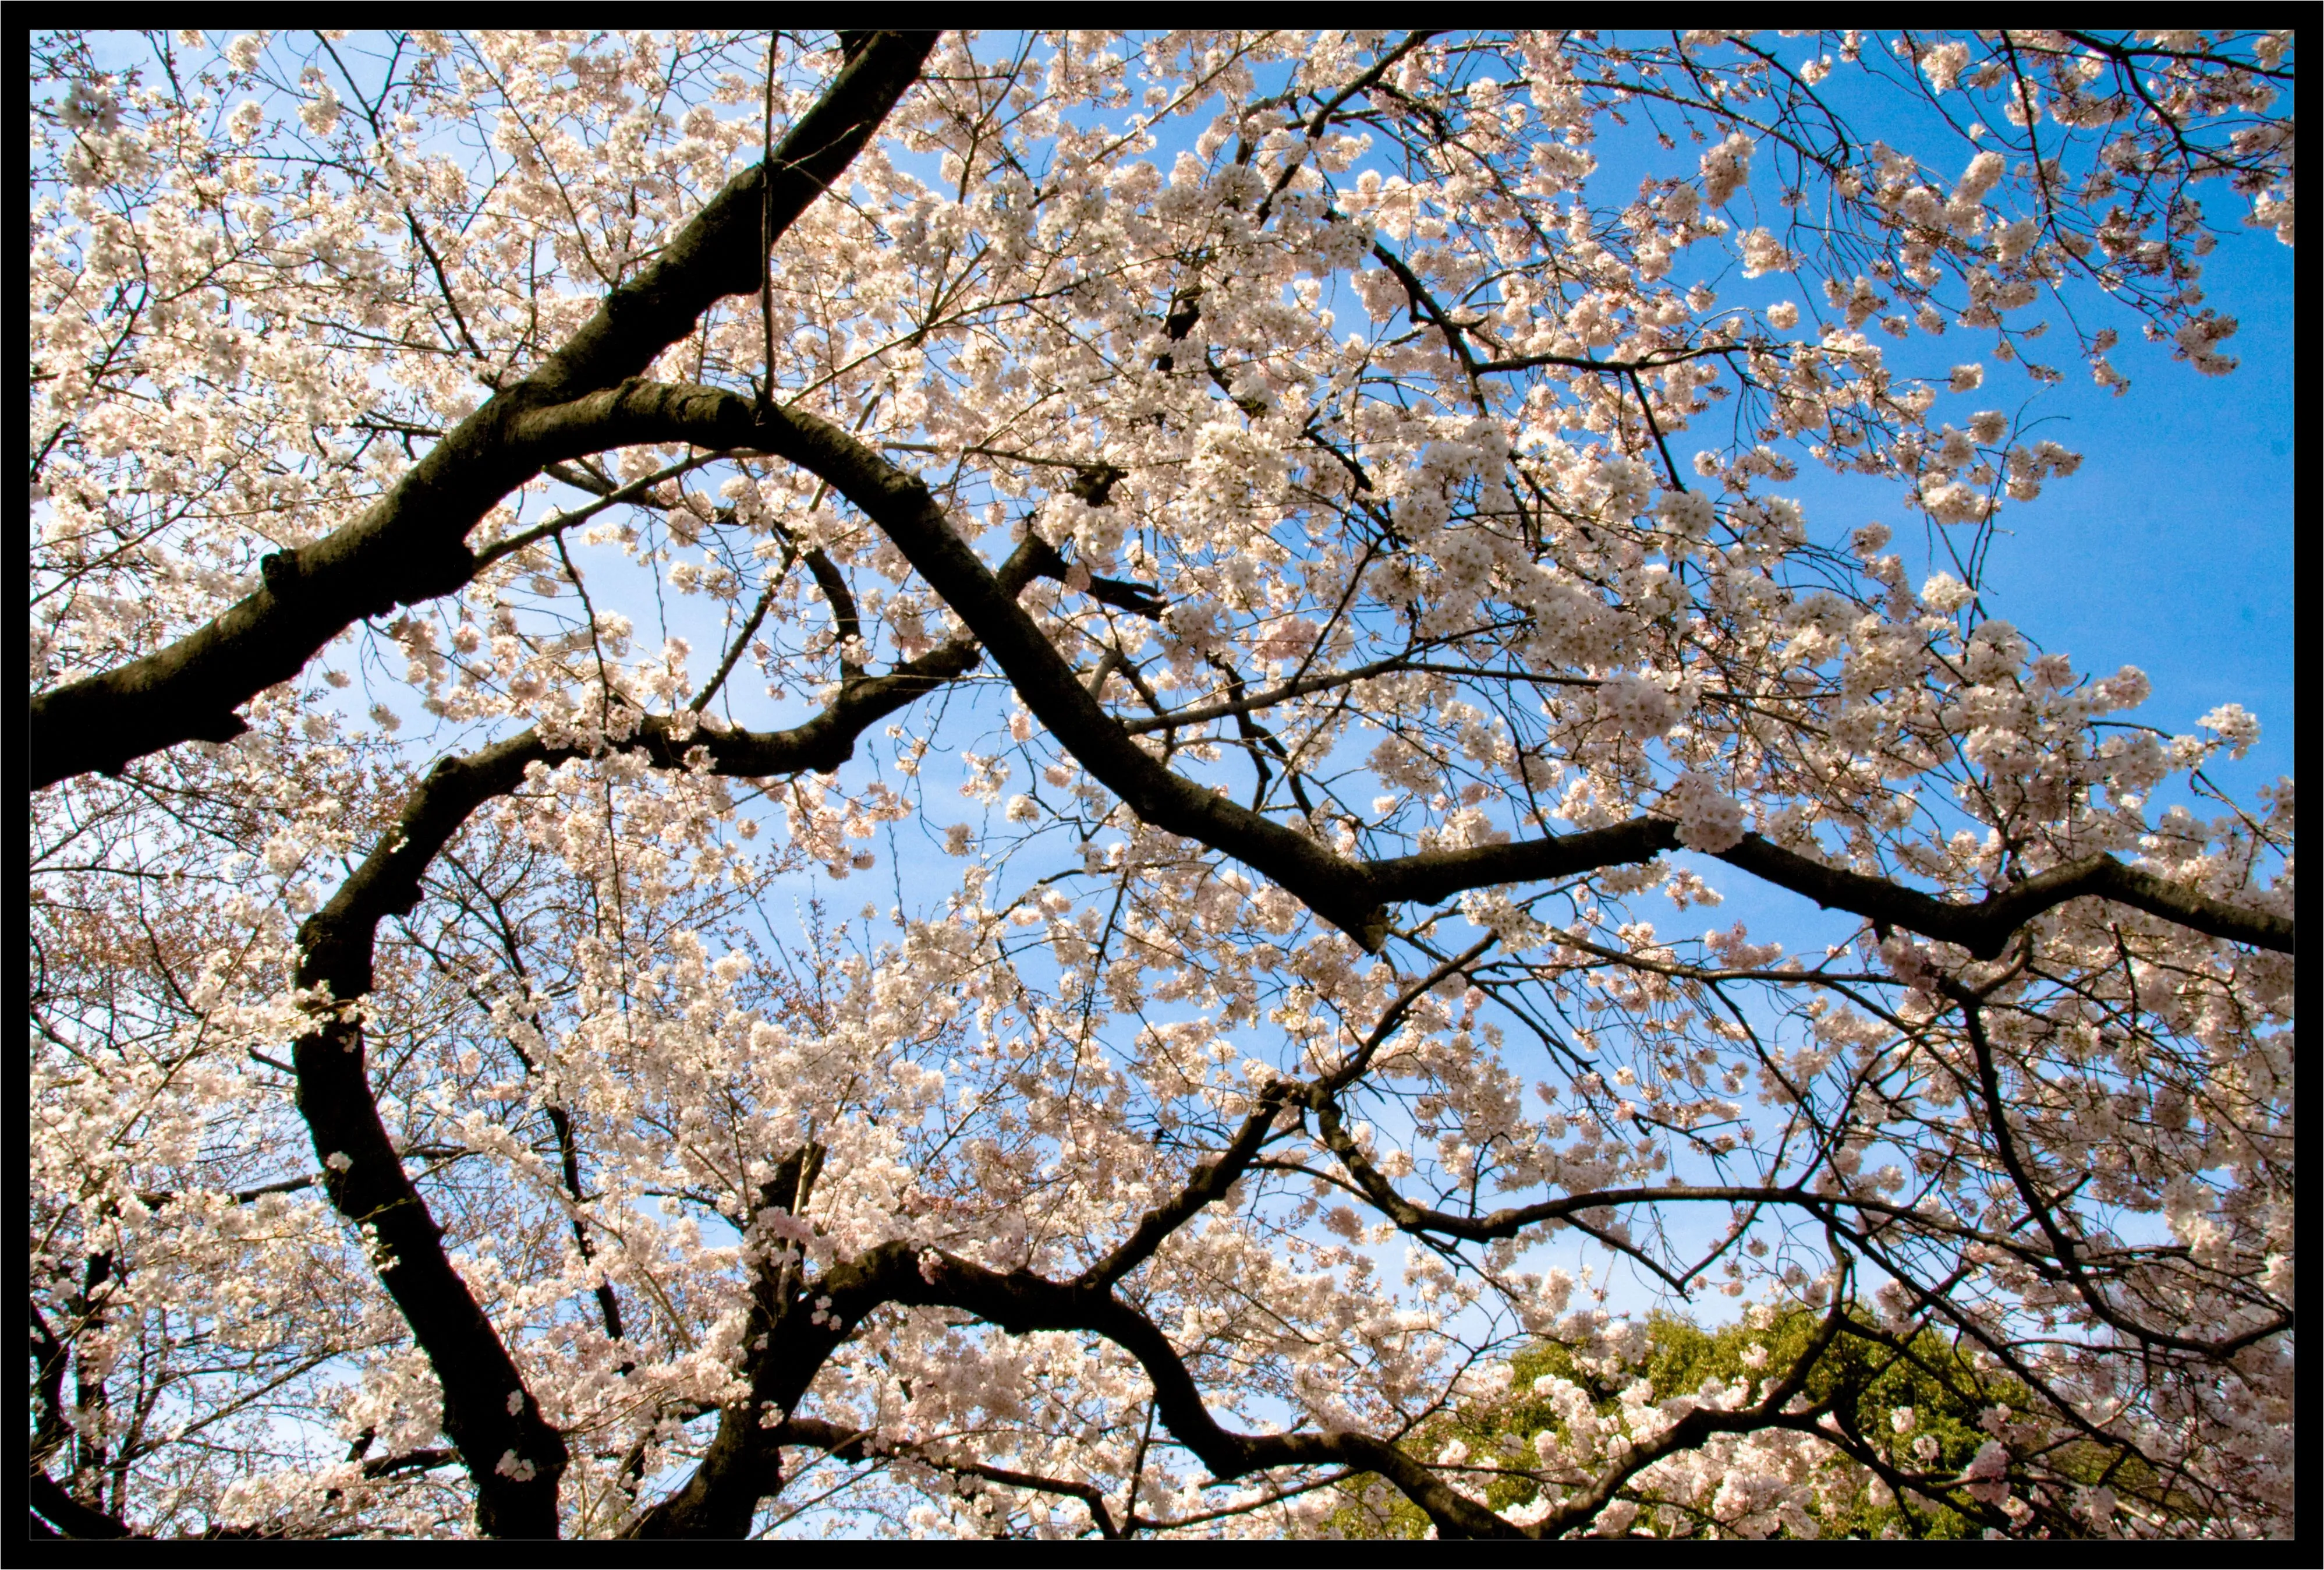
(1696,1427)
(1020,1301)
(1985,928)
(1351,895)
(1511,1220)
(367,1182)
(2042,1210)
(842,1443)
(410,545)
(67,1516)
(739,1468)
(912,517)
(487,1410)
(1208,1183)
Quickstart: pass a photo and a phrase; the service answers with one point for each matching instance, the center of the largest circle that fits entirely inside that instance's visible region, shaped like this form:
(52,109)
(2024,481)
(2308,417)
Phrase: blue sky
(2172,548)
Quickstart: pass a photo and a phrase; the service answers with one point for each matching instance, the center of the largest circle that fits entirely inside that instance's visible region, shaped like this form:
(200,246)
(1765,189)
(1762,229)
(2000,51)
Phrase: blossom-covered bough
(1267,450)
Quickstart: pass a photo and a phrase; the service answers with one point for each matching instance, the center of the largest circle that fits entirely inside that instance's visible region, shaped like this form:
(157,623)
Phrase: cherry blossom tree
(1271,554)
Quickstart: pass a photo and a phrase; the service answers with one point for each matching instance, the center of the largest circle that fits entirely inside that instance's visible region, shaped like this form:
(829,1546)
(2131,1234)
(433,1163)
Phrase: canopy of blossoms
(1266,557)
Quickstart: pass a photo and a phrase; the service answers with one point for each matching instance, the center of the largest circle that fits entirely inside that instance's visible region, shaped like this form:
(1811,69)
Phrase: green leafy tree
(1892,1429)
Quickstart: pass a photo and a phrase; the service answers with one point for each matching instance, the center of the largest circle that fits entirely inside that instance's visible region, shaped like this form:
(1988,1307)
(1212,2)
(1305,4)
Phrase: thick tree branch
(853,1444)
(1986,927)
(740,1467)
(1351,895)
(68,1517)
(364,1178)
(910,516)
(1020,1302)
(791,1345)
(409,546)
(336,947)
(1208,1183)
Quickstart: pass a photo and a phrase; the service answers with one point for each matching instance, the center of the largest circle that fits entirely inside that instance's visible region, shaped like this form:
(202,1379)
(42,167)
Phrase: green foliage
(1861,1380)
